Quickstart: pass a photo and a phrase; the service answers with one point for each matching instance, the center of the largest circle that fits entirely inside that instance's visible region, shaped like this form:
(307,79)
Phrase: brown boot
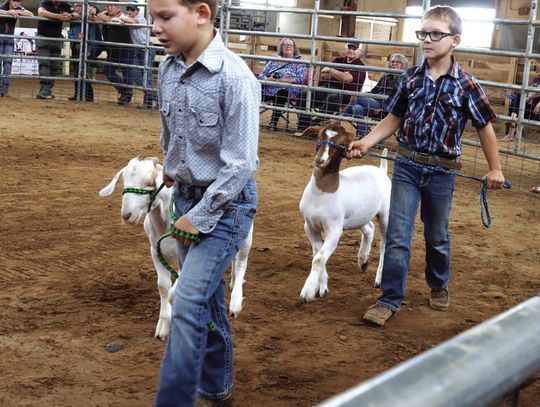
(378,315)
(224,402)
(440,299)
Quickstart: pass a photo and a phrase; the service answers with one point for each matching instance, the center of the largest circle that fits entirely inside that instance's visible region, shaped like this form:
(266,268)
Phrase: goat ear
(311,131)
(108,190)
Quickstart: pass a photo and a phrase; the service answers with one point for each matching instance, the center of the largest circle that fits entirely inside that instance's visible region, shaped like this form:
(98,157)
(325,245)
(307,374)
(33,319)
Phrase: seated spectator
(532,110)
(365,106)
(282,72)
(337,79)
(14,9)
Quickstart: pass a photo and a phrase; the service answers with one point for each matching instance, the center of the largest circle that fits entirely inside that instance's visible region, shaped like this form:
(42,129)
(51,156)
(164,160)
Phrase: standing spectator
(117,54)
(139,37)
(14,9)
(282,73)
(334,78)
(75,33)
(55,12)
(364,106)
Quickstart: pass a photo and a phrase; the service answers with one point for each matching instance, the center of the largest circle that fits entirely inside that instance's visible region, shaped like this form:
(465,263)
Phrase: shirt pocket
(452,108)
(165,111)
(206,123)
(415,110)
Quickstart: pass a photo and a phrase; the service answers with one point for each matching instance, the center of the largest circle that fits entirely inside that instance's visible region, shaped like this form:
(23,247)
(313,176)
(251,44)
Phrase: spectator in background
(139,36)
(532,110)
(13,9)
(334,78)
(282,73)
(117,54)
(75,33)
(364,106)
(55,12)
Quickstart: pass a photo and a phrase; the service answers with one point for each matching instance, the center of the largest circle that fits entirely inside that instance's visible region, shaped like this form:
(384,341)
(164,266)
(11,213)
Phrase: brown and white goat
(147,174)
(335,200)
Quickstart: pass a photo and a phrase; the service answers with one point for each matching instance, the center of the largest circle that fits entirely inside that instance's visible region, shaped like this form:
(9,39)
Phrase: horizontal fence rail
(476,368)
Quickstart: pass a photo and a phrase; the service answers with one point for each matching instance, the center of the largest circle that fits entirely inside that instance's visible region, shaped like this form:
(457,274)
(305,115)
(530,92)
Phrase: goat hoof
(363,267)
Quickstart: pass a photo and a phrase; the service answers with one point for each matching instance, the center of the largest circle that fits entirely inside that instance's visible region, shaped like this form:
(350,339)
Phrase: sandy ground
(74,279)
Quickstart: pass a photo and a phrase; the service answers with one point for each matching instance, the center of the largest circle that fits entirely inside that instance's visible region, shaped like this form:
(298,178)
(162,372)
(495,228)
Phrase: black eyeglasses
(434,35)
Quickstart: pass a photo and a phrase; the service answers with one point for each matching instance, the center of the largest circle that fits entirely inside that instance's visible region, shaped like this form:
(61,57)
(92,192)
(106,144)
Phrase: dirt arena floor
(74,279)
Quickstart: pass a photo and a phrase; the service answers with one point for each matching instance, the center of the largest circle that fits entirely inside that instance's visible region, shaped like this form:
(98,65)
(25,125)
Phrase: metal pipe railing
(475,368)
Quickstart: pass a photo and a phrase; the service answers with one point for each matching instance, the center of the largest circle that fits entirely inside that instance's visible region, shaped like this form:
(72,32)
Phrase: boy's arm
(386,127)
(494,178)
(238,153)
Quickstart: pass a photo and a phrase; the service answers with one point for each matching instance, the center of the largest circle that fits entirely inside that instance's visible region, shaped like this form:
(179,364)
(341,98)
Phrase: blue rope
(484,207)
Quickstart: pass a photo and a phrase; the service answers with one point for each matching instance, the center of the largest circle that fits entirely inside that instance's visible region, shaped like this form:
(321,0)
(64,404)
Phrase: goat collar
(342,150)
(152,192)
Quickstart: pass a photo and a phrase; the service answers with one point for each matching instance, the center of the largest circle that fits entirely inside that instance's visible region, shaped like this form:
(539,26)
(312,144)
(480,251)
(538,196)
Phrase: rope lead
(484,207)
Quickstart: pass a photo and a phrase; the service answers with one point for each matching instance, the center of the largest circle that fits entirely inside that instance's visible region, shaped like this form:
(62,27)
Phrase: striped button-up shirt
(210,127)
(434,113)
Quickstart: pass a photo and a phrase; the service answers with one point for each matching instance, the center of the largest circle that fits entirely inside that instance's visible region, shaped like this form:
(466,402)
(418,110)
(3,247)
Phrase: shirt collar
(212,57)
(453,71)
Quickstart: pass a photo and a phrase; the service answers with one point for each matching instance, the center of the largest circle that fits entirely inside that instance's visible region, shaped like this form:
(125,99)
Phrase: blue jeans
(362,107)
(7,47)
(150,95)
(199,353)
(119,55)
(412,185)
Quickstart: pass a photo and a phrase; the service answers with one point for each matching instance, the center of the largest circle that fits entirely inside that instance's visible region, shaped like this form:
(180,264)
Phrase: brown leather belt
(427,159)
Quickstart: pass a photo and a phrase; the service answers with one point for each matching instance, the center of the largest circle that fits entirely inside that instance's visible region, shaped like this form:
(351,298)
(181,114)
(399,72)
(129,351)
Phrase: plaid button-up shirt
(435,112)
(209,127)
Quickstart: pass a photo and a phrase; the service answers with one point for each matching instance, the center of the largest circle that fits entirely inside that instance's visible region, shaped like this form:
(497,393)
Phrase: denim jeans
(7,47)
(48,67)
(362,107)
(119,55)
(150,95)
(412,185)
(199,353)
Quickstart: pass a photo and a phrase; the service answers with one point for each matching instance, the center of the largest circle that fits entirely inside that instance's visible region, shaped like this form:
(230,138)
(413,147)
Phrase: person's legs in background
(362,107)
(7,48)
(279,99)
(150,95)
(48,49)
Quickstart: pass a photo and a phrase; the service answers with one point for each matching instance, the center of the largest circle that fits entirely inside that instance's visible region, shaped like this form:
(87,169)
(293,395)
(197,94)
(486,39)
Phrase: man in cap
(334,79)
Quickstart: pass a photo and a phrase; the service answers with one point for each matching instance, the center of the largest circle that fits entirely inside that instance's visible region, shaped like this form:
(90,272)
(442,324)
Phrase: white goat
(147,174)
(335,200)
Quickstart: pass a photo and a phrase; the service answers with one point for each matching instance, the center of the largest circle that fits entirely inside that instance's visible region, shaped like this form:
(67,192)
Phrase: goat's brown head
(332,147)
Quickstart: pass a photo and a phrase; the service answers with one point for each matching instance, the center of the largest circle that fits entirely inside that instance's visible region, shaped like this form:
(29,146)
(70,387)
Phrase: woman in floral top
(282,73)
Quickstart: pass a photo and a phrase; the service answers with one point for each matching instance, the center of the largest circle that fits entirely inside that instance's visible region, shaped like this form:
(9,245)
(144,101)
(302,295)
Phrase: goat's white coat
(363,194)
(148,174)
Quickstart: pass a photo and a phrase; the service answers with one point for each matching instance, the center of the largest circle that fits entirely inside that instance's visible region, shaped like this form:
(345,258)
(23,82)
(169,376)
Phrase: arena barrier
(257,46)
(476,368)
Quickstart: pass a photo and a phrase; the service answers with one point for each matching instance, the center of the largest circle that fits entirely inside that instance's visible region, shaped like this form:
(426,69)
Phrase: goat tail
(384,162)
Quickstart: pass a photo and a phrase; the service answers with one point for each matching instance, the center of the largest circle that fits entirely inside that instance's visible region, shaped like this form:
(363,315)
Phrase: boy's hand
(169,182)
(184,225)
(494,179)
(357,148)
